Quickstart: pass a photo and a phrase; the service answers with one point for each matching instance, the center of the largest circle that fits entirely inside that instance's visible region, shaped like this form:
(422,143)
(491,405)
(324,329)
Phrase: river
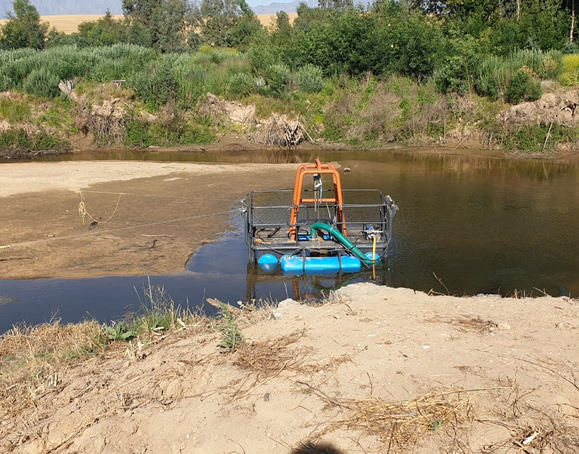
(468,224)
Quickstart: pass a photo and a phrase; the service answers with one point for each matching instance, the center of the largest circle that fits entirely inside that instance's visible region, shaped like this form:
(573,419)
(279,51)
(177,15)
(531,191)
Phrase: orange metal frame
(320,169)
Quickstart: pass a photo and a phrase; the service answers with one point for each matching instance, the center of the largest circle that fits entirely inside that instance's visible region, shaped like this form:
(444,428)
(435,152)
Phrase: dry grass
(545,435)
(30,358)
(451,416)
(266,360)
(532,429)
(402,424)
(267,20)
(466,323)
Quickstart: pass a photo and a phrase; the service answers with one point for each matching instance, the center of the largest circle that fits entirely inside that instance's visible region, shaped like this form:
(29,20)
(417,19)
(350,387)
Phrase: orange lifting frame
(338,200)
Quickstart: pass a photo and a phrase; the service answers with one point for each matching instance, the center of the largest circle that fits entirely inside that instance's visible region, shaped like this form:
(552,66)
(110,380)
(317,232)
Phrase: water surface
(466,225)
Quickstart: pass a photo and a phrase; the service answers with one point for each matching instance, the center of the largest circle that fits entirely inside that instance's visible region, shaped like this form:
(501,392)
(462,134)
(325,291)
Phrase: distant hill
(76,7)
(59,7)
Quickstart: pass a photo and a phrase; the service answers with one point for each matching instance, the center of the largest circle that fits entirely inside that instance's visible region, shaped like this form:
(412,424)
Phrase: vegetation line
(409,72)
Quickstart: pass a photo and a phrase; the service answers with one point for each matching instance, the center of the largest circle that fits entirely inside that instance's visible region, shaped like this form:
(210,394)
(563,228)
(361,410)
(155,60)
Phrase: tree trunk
(572,21)
(518,10)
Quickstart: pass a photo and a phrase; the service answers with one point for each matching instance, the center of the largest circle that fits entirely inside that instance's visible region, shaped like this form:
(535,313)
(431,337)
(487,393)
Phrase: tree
(336,5)
(228,23)
(161,24)
(104,32)
(23,28)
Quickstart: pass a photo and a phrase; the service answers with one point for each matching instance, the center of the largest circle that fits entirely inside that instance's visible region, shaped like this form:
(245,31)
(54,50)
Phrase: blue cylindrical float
(294,264)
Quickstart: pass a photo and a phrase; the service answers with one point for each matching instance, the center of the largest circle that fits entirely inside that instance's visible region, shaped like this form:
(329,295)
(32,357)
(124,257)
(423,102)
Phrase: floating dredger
(309,233)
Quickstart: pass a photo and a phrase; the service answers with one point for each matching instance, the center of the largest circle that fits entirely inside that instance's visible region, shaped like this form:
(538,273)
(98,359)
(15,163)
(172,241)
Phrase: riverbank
(78,219)
(370,114)
(373,369)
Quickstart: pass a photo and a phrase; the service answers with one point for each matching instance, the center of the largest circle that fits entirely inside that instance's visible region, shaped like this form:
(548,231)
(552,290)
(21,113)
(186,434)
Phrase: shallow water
(466,225)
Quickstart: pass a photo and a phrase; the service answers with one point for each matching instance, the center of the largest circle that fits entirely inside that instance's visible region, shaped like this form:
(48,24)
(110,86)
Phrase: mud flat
(139,217)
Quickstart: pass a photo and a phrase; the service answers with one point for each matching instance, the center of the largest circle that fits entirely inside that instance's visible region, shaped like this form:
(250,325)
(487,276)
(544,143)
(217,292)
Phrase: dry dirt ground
(374,370)
(150,216)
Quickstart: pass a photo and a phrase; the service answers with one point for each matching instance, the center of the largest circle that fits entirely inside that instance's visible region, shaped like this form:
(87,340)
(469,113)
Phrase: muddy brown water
(467,225)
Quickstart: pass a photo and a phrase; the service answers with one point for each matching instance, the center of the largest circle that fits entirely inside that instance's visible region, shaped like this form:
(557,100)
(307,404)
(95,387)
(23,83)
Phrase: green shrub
(261,57)
(192,80)
(495,75)
(241,84)
(21,140)
(551,66)
(14,111)
(570,73)
(277,78)
(155,86)
(532,138)
(310,79)
(5,82)
(452,76)
(522,87)
(518,87)
(43,83)
(178,131)
(137,134)
(107,70)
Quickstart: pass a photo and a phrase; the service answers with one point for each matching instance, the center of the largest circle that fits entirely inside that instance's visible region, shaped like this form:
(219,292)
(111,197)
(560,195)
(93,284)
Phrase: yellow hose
(374,257)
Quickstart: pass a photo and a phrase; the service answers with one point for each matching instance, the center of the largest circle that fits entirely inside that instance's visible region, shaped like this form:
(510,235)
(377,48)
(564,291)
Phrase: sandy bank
(149,216)
(376,369)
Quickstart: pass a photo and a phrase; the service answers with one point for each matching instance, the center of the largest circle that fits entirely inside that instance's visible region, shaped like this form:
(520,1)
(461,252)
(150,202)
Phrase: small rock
(283,308)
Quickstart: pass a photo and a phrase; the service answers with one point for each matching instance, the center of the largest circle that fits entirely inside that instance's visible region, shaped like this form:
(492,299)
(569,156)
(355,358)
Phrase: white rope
(102,232)
(83,212)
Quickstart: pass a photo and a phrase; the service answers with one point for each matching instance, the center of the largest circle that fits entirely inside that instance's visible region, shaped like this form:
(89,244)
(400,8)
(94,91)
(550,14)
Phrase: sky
(45,7)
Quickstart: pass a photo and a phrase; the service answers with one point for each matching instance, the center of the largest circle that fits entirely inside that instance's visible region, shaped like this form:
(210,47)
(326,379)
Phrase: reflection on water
(481,224)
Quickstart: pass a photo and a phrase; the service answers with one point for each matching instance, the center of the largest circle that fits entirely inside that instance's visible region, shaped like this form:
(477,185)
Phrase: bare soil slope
(374,370)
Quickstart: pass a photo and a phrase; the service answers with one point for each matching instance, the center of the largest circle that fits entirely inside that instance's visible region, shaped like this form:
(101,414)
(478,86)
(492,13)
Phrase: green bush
(241,84)
(21,140)
(5,82)
(155,86)
(496,75)
(532,138)
(43,83)
(191,81)
(522,87)
(277,78)
(137,134)
(570,73)
(309,78)
(178,131)
(452,76)
(261,57)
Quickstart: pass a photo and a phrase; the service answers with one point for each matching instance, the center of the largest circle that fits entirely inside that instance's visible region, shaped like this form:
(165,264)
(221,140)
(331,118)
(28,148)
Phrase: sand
(375,370)
(150,216)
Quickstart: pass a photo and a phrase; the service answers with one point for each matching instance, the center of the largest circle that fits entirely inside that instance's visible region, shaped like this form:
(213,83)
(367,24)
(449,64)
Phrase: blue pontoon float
(304,230)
